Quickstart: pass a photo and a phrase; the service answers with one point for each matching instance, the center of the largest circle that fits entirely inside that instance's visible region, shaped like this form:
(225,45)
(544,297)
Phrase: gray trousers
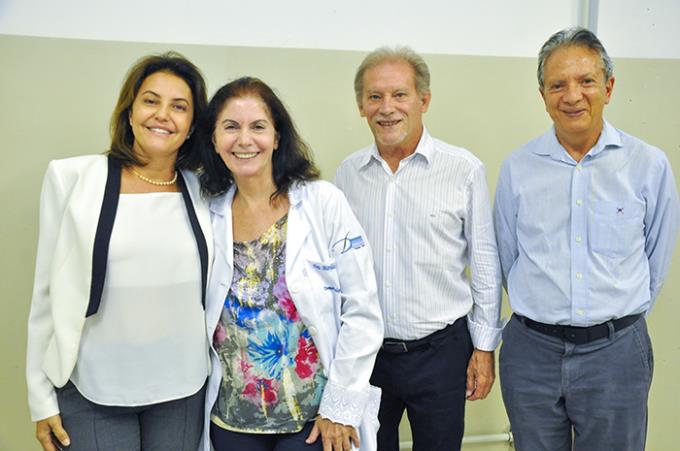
(562,397)
(175,425)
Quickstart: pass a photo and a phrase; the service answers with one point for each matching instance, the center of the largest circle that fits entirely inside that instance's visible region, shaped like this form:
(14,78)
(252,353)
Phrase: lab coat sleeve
(360,326)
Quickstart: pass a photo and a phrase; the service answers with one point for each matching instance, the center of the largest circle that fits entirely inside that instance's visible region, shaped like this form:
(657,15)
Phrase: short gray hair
(389,54)
(576,36)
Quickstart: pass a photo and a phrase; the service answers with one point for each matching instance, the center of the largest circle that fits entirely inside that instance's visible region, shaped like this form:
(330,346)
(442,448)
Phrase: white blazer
(73,211)
(329,272)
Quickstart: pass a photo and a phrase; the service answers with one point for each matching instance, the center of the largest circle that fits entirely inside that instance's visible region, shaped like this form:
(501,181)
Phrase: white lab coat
(330,276)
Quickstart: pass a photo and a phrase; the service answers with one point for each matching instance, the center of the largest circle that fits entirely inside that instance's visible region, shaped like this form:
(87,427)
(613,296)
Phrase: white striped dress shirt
(426,223)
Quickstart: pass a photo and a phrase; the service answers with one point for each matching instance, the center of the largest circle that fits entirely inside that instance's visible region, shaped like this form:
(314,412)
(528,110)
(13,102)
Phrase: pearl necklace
(154,182)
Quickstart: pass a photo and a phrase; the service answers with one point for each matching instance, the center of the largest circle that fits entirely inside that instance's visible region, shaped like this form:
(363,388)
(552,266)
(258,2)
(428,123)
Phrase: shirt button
(579,312)
(389,249)
(294,289)
(312,330)
(578,167)
(579,275)
(579,202)
(387,284)
(578,238)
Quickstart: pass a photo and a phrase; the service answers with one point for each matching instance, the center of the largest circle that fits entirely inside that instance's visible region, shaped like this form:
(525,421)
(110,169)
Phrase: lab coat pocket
(616,227)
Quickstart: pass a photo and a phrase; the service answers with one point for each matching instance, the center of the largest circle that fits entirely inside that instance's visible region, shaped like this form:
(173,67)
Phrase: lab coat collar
(222,228)
(298,229)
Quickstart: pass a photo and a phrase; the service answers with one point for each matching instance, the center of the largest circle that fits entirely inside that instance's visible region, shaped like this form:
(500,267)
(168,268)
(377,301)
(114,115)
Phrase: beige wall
(56,97)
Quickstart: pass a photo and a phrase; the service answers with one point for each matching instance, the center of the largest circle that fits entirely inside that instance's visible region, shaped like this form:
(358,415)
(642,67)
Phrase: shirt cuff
(484,338)
(44,406)
(343,406)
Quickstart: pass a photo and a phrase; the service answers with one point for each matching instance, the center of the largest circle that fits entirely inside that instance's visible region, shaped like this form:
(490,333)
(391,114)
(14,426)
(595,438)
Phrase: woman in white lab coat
(292,304)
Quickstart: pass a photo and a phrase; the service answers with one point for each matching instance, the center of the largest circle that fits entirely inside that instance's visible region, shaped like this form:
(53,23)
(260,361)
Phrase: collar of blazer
(102,238)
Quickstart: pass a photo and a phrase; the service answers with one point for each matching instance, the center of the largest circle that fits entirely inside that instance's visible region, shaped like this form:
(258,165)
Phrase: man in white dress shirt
(425,207)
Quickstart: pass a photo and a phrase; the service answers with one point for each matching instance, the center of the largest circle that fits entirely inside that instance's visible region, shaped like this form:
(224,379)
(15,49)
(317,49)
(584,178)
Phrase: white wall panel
(488,27)
(640,28)
(629,28)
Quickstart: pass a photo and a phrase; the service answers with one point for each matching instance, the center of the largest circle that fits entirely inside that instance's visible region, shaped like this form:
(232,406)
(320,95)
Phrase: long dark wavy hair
(291,162)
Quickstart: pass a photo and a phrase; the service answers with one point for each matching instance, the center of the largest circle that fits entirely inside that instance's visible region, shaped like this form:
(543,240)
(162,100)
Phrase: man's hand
(480,375)
(335,436)
(47,430)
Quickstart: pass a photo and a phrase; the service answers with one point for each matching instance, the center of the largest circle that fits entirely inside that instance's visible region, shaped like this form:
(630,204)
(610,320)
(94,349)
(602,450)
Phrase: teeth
(388,123)
(159,130)
(245,155)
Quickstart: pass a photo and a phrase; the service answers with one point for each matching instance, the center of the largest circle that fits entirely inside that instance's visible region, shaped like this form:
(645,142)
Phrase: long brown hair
(122,138)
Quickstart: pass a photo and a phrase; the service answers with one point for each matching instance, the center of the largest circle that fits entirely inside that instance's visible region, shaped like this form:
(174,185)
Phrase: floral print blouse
(272,377)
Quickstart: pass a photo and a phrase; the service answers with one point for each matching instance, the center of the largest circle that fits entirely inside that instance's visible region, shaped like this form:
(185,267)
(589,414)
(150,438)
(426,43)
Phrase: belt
(395,346)
(579,335)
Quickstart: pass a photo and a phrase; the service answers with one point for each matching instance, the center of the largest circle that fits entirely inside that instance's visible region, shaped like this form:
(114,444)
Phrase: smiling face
(161,116)
(245,139)
(393,107)
(575,93)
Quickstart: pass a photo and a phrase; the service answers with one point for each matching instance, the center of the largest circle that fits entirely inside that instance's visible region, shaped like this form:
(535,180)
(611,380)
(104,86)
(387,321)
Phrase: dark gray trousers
(562,397)
(175,425)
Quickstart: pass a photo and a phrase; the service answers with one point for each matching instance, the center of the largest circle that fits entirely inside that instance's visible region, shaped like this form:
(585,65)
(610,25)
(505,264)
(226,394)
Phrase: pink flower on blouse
(261,390)
(280,292)
(220,334)
(306,358)
(245,367)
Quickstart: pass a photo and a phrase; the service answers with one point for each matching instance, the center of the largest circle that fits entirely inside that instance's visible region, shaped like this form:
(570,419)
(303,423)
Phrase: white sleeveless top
(147,343)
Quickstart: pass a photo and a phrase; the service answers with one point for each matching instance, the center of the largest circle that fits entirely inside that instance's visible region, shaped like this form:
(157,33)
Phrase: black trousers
(429,383)
(224,440)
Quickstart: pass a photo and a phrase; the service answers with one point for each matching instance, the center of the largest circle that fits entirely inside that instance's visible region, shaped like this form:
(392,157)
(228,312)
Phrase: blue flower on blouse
(243,315)
(271,348)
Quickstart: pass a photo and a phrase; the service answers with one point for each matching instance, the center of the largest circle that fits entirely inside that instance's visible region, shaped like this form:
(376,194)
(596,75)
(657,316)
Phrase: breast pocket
(615,227)
(442,232)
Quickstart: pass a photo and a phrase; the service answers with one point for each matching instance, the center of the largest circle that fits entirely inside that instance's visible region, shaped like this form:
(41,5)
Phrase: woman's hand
(335,436)
(47,430)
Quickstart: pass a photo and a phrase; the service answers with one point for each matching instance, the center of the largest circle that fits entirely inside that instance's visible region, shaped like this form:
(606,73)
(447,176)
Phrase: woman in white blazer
(117,353)
(292,303)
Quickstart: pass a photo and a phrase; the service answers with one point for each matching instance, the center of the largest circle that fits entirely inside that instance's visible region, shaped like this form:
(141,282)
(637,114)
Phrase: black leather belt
(395,346)
(578,335)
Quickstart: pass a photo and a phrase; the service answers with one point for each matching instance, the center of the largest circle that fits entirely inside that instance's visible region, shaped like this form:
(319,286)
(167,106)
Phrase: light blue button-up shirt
(585,242)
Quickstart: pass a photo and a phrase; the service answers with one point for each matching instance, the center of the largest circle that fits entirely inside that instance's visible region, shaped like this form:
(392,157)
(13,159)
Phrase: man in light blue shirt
(586,219)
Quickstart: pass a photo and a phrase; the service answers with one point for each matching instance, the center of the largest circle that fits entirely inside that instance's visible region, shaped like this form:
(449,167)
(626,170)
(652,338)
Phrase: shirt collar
(295,194)
(218,205)
(424,149)
(609,138)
